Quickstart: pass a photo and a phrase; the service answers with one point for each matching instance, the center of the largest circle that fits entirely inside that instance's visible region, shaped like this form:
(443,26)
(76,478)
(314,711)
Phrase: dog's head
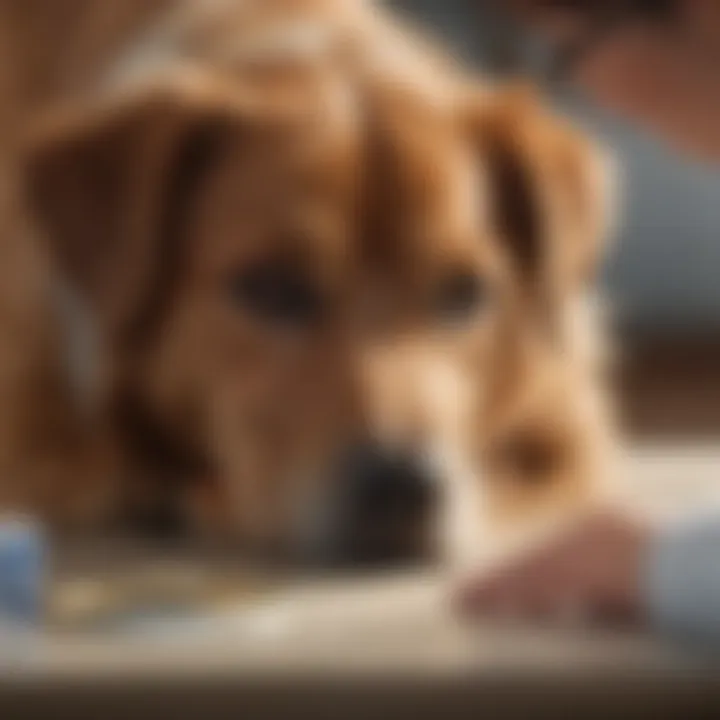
(304,278)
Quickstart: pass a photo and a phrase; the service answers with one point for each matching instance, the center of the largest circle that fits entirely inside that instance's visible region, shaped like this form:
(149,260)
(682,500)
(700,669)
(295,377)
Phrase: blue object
(22,572)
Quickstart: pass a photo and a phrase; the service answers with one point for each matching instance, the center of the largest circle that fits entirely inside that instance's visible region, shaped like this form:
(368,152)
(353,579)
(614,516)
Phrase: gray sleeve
(682,581)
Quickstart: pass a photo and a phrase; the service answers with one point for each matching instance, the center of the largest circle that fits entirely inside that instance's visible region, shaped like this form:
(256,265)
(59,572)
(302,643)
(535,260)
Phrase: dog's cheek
(258,418)
(256,441)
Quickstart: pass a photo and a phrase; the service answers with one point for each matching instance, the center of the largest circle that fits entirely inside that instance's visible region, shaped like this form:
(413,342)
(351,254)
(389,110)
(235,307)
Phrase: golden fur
(322,143)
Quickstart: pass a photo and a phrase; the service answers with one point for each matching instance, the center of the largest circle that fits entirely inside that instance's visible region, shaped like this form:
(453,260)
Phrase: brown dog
(335,288)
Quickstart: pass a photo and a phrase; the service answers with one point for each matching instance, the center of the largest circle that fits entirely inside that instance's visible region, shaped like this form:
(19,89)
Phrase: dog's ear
(549,187)
(106,185)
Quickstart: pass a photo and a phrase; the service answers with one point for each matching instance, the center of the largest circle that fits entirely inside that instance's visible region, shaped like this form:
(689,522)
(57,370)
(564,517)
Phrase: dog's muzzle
(384,510)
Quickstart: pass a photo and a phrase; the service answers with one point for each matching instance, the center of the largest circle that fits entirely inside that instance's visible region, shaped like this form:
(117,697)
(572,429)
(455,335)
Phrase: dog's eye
(460,297)
(278,293)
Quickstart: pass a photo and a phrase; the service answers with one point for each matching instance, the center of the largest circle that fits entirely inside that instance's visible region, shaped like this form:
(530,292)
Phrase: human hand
(590,574)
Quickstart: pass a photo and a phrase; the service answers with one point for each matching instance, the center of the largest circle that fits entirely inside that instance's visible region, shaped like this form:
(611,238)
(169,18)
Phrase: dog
(336,289)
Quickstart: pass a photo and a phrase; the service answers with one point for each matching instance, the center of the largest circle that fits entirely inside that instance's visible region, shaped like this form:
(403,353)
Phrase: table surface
(397,624)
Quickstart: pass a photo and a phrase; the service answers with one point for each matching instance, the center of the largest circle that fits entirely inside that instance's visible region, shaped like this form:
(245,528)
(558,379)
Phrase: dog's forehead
(362,174)
(286,188)
(425,189)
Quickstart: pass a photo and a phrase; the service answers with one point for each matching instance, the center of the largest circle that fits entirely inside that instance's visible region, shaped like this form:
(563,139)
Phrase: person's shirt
(682,581)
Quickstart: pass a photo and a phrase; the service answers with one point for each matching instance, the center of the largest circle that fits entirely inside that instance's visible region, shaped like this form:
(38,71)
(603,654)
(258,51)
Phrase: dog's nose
(388,508)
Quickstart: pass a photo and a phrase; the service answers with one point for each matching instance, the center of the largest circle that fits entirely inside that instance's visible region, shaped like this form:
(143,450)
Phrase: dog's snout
(388,484)
(389,506)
